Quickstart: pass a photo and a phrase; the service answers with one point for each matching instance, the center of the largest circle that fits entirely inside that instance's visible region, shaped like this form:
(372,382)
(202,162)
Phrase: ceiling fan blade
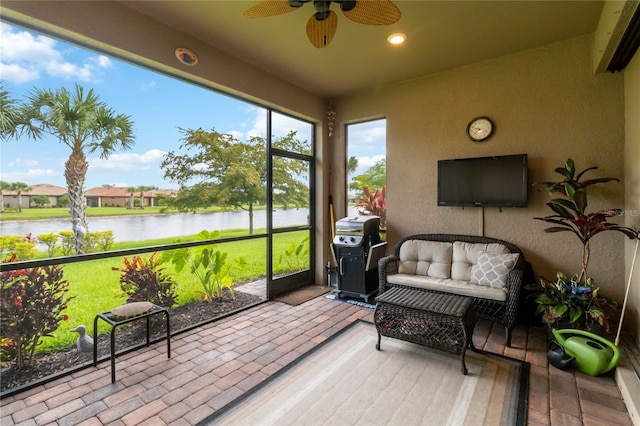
(320,33)
(373,12)
(268,8)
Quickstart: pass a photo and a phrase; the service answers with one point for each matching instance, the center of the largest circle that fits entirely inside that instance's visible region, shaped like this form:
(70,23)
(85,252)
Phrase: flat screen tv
(486,181)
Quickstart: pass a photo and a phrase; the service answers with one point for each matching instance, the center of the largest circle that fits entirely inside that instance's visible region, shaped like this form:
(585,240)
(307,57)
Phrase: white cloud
(30,176)
(258,126)
(36,173)
(103,61)
(367,138)
(281,125)
(365,163)
(24,56)
(128,161)
(237,134)
(17,74)
(23,162)
(148,86)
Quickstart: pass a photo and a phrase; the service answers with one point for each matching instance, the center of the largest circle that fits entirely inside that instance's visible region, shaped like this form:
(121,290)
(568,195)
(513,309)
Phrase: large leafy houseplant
(578,299)
(565,301)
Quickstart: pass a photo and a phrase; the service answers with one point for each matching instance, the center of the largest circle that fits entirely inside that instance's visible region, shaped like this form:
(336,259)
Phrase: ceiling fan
(322,25)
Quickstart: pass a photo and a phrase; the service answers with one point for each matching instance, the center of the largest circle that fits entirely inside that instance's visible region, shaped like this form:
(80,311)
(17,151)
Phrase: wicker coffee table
(437,320)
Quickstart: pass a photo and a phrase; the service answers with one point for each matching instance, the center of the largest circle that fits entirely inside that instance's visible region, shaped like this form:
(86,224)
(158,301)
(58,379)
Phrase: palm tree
(4,186)
(19,187)
(8,114)
(83,123)
(142,189)
(131,190)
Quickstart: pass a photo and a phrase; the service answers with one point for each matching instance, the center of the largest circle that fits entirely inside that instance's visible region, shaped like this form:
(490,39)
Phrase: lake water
(144,227)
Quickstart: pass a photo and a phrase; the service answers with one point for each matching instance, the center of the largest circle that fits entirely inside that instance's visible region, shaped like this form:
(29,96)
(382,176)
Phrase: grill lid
(357,225)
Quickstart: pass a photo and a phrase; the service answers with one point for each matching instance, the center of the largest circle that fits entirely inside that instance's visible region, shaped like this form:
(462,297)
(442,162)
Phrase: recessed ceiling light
(186,56)
(397,38)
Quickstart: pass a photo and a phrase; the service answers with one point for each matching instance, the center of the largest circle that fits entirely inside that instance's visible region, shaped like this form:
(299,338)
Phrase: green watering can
(594,355)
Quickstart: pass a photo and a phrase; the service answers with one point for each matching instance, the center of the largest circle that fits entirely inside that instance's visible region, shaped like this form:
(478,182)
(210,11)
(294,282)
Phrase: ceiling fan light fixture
(321,26)
(397,38)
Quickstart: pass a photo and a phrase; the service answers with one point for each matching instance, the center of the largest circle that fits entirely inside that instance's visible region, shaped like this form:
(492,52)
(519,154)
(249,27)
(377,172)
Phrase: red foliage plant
(373,203)
(143,280)
(31,305)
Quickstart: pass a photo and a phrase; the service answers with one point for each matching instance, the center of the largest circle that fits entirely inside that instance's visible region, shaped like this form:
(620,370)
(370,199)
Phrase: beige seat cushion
(463,288)
(130,310)
(426,258)
(465,255)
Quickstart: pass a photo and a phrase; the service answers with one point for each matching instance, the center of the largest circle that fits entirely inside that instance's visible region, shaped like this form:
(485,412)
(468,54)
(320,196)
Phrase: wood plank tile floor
(215,363)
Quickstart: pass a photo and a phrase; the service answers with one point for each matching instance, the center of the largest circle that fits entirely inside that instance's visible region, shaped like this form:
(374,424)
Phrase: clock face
(479,129)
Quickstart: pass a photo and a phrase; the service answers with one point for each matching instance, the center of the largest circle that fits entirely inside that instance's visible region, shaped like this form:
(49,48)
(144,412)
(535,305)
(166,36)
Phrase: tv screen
(487,181)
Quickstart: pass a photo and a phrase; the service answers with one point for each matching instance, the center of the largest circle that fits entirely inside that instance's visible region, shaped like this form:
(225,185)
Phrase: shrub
(143,280)
(373,203)
(296,256)
(40,200)
(8,245)
(31,306)
(105,240)
(90,242)
(207,264)
(50,241)
(17,247)
(25,250)
(67,241)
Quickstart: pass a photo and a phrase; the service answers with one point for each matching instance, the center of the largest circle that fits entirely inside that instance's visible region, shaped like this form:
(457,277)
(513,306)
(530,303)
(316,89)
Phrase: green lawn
(59,212)
(96,286)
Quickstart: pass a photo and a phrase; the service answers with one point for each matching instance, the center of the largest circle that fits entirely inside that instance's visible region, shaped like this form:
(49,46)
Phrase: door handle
(342,266)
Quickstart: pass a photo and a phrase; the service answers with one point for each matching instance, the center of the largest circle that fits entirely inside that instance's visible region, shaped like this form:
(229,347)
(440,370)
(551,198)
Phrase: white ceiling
(441,35)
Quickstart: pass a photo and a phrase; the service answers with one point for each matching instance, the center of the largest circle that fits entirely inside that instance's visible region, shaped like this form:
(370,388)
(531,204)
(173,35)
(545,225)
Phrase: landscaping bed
(49,364)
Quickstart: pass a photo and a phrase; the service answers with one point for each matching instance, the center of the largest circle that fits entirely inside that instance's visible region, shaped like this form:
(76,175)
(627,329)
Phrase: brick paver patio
(214,364)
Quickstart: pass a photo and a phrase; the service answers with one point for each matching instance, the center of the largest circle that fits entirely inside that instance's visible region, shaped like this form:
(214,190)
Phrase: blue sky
(158,106)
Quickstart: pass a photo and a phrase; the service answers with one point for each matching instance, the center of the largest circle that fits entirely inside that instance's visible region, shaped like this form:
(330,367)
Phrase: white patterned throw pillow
(492,269)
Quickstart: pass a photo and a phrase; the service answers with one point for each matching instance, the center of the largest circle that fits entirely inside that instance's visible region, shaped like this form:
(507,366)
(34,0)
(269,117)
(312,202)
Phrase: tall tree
(131,190)
(19,188)
(219,169)
(4,186)
(352,164)
(142,189)
(375,177)
(85,124)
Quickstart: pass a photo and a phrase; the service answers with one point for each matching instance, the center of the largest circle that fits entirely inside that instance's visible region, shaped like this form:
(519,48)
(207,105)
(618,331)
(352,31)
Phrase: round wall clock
(480,129)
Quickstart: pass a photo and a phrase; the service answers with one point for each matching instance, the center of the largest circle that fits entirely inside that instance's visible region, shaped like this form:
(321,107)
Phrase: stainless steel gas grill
(357,248)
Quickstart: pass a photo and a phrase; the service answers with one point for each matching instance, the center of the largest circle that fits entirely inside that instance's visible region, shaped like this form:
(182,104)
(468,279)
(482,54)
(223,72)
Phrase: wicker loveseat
(486,269)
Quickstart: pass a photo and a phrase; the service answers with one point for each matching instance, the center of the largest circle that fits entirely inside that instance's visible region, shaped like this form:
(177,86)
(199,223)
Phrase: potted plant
(566,303)
(576,300)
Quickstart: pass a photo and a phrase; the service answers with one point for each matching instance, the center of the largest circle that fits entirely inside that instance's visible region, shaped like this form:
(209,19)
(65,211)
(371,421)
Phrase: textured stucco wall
(632,188)
(545,102)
